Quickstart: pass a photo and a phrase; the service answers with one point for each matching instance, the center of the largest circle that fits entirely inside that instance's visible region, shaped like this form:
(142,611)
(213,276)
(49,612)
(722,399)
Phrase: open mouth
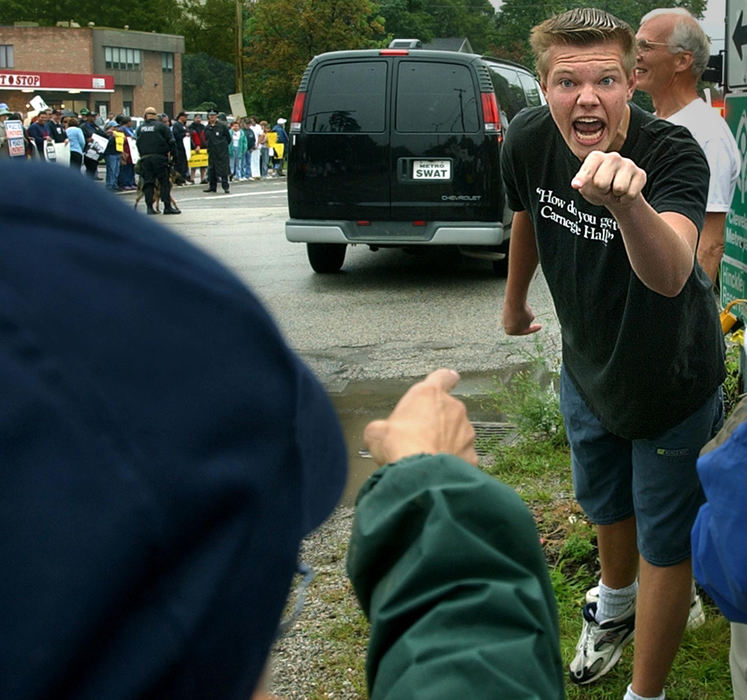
(588,130)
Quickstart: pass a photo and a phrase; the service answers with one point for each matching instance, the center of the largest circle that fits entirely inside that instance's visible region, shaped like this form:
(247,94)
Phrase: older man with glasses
(673,52)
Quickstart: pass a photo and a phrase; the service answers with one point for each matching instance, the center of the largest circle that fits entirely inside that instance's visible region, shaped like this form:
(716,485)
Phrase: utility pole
(239,84)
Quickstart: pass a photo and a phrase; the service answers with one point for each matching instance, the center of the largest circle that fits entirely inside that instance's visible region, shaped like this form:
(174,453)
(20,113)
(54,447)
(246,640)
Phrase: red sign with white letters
(35,80)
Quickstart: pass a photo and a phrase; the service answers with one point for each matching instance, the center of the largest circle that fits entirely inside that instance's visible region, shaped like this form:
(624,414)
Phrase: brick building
(105,70)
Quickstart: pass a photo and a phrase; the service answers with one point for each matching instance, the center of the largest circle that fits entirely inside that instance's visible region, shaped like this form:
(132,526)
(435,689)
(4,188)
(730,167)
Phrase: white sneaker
(695,619)
(601,644)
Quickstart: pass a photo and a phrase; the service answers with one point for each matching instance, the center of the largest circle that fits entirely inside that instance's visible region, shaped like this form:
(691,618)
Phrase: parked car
(400,147)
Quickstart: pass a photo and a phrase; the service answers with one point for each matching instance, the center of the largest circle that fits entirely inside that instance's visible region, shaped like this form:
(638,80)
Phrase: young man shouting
(610,200)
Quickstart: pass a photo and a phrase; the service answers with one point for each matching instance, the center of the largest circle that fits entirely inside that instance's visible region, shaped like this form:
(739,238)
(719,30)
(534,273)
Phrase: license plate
(431,170)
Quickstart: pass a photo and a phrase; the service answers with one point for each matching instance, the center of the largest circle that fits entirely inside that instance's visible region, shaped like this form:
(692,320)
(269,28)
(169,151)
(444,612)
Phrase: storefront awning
(35,81)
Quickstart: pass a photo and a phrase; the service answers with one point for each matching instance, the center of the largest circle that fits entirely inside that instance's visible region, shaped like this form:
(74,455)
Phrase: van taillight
(297,113)
(394,52)
(490,112)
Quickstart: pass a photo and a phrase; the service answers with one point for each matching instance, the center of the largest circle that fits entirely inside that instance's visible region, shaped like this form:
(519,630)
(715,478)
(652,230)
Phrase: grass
(537,465)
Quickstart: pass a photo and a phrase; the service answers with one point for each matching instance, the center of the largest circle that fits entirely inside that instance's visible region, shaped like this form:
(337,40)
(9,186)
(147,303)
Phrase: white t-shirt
(712,132)
(258,131)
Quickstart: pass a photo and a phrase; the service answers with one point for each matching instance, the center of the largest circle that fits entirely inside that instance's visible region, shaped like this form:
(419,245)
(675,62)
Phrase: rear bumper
(396,233)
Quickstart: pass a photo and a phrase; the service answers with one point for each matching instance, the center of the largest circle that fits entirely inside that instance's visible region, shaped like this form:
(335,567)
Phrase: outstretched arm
(660,247)
(446,563)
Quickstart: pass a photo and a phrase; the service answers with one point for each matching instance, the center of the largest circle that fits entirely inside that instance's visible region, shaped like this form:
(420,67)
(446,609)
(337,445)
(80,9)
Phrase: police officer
(218,139)
(155,143)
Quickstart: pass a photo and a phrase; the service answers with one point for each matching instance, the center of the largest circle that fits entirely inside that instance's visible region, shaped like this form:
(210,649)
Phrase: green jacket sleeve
(446,563)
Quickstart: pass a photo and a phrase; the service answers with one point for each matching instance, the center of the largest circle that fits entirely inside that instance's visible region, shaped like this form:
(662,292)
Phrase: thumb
(374,433)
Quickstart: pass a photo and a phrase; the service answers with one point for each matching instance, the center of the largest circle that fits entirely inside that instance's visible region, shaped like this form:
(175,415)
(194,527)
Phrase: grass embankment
(537,465)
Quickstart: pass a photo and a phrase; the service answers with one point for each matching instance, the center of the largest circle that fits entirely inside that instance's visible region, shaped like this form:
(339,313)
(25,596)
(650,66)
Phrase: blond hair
(580,27)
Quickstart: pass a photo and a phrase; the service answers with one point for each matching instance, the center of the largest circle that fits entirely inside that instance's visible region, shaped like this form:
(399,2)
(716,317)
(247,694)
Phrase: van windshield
(436,98)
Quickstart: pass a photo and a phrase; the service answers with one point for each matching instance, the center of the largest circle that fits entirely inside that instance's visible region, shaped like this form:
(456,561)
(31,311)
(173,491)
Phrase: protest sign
(14,133)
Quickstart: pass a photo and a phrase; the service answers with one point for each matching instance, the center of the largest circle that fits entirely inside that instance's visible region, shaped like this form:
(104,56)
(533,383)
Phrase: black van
(400,147)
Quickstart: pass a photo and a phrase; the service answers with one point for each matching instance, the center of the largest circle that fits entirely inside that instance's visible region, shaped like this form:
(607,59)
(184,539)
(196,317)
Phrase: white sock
(614,601)
(630,695)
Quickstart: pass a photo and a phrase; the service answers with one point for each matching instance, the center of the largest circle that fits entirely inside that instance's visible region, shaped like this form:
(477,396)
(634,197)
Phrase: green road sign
(734,263)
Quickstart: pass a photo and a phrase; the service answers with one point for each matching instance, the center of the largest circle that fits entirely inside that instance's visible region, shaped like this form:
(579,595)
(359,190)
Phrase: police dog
(176,179)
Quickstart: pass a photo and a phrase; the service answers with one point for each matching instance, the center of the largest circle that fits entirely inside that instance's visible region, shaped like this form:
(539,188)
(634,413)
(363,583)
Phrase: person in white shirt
(255,151)
(673,52)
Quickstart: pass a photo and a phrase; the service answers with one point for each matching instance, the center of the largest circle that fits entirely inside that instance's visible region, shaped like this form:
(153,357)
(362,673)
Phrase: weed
(530,401)
(732,384)
(578,547)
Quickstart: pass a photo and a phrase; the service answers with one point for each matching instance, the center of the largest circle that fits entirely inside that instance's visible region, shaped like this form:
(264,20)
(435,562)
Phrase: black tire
(500,267)
(326,257)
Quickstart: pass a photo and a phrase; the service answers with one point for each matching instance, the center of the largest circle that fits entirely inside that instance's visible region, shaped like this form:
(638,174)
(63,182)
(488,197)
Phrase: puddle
(362,402)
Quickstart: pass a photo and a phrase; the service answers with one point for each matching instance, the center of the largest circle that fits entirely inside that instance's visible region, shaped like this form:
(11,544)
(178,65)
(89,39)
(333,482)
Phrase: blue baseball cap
(164,453)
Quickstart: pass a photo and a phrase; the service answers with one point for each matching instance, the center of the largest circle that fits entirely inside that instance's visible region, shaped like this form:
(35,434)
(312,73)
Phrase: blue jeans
(112,170)
(236,165)
(247,164)
(654,479)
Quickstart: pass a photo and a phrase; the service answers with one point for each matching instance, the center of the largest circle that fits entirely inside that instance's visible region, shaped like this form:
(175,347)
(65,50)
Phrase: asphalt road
(387,315)
(367,332)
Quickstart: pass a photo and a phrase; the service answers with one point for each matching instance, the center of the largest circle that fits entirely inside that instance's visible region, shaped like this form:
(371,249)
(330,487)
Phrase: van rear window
(436,98)
(347,98)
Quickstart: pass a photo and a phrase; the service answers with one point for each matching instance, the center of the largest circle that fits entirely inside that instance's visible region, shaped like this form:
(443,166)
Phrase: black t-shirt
(643,362)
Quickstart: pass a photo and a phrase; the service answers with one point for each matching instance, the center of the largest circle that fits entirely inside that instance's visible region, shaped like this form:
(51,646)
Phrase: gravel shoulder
(323,655)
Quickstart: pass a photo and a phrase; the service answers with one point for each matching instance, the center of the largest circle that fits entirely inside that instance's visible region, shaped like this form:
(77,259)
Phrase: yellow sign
(199,159)
(119,139)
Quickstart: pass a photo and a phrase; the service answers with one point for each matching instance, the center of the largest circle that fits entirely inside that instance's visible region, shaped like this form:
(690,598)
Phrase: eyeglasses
(307,576)
(645,46)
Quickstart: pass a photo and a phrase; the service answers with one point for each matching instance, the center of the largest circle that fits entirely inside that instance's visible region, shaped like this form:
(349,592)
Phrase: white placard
(50,152)
(38,103)
(134,153)
(63,153)
(96,147)
(236,102)
(187,141)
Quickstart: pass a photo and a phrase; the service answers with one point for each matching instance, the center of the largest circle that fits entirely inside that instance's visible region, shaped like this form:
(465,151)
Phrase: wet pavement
(381,324)
(362,402)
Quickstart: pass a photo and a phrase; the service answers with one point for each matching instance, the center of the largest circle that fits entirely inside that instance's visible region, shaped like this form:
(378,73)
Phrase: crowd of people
(257,150)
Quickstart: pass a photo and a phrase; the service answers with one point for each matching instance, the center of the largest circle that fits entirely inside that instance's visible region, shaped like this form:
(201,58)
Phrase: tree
(408,19)
(417,19)
(142,15)
(473,19)
(209,27)
(516,18)
(281,43)
(206,79)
